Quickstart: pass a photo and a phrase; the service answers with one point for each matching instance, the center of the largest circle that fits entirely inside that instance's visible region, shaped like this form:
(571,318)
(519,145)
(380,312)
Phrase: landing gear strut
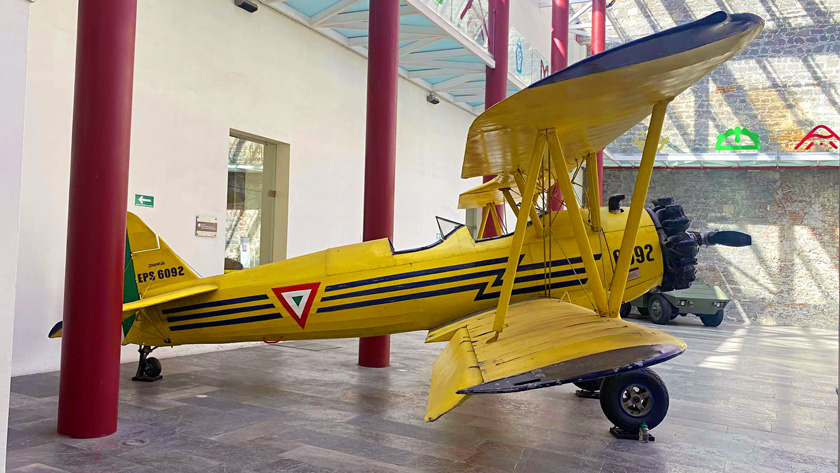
(149,368)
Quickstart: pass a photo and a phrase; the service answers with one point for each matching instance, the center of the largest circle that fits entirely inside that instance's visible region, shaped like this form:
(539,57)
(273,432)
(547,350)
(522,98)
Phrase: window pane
(244,203)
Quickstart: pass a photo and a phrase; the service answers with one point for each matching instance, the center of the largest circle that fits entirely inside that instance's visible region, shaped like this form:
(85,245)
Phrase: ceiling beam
(580,12)
(361,16)
(477,88)
(332,11)
(456,65)
(418,45)
(434,72)
(468,98)
(439,54)
(456,81)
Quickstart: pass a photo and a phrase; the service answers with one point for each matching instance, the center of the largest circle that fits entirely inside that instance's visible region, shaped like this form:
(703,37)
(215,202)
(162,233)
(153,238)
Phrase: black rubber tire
(589,384)
(642,310)
(660,309)
(624,311)
(613,388)
(712,320)
(153,367)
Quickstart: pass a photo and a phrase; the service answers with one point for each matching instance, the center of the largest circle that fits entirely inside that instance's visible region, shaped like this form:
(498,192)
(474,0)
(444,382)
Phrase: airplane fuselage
(368,289)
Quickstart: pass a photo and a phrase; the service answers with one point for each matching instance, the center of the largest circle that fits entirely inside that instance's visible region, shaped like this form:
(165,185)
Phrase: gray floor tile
(743,399)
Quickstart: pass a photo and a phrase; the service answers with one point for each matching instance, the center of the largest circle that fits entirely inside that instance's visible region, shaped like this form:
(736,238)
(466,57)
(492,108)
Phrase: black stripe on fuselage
(424,272)
(480,287)
(215,313)
(462,277)
(207,305)
(219,323)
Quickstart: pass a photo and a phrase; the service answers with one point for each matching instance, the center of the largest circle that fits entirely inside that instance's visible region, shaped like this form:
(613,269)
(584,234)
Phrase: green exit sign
(141,200)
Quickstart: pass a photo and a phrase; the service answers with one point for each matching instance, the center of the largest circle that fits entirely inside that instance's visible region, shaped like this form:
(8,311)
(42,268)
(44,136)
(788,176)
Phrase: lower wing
(546,342)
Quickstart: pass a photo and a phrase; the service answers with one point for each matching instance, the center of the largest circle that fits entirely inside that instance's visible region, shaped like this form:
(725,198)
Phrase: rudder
(150,263)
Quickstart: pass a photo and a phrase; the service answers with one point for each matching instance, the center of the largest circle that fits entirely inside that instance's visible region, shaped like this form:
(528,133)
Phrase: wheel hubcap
(636,400)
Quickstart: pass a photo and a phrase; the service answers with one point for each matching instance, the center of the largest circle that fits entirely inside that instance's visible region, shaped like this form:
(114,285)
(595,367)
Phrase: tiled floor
(743,398)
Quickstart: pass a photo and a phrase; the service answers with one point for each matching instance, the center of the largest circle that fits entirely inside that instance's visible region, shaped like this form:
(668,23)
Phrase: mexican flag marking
(297,300)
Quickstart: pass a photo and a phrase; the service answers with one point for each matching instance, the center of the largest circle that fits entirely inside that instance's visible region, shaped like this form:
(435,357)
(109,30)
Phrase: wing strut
(489,214)
(520,183)
(534,217)
(525,207)
(596,285)
(637,205)
(593,192)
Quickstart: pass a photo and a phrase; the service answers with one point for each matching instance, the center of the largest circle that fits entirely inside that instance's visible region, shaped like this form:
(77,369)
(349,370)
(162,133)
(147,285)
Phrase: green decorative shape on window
(737,132)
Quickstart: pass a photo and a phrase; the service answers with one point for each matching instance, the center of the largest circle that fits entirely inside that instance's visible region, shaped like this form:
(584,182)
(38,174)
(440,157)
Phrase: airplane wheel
(712,320)
(633,398)
(660,309)
(153,367)
(624,311)
(589,385)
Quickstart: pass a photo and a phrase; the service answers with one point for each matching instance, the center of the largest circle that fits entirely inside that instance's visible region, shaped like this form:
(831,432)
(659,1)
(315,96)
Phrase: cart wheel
(589,385)
(712,320)
(660,310)
(634,398)
(624,311)
(153,367)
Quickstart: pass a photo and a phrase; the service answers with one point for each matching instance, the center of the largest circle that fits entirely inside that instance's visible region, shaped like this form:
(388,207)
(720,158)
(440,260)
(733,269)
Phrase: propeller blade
(727,238)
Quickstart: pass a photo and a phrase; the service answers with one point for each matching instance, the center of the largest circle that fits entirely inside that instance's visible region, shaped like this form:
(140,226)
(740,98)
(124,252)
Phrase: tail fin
(150,263)
(150,266)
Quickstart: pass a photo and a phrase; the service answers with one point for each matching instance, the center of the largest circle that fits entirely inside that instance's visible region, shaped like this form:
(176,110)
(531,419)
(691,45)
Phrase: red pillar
(559,61)
(380,146)
(495,88)
(90,346)
(599,18)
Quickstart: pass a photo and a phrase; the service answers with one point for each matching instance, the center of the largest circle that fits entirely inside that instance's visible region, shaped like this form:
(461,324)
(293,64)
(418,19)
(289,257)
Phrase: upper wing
(131,307)
(596,100)
(546,342)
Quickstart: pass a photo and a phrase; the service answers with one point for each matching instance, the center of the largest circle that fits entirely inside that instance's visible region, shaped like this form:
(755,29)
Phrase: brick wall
(781,86)
(790,274)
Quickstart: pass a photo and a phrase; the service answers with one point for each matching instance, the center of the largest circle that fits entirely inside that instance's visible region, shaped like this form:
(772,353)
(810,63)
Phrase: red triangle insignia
(297,300)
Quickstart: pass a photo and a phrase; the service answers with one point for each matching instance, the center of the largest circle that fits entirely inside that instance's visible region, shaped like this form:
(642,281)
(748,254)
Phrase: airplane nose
(680,245)
(679,248)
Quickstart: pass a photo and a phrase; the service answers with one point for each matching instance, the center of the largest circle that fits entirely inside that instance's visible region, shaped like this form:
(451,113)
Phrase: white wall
(204,67)
(534,24)
(14,23)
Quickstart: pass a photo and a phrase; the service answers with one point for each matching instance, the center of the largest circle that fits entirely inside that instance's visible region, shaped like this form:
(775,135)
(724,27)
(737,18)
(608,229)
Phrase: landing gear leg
(149,368)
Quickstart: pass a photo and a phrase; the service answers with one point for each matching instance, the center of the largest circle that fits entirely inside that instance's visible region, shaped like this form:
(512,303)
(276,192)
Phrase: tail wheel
(153,367)
(634,398)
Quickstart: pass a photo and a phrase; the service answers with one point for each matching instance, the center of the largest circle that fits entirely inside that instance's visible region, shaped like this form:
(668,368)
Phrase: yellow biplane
(534,308)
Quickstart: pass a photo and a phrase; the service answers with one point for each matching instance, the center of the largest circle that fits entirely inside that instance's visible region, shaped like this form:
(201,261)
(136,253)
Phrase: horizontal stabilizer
(132,307)
(546,342)
(489,192)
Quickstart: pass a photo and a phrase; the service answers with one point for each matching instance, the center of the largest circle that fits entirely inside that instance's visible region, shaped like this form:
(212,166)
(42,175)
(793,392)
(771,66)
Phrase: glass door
(248,226)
